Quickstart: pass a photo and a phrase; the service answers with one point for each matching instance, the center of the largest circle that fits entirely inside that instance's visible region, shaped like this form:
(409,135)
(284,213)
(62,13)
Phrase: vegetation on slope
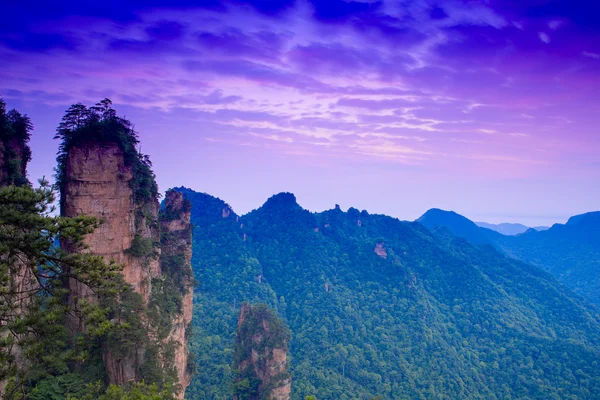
(431,316)
(41,355)
(40,358)
(570,252)
(15,130)
(84,126)
(259,332)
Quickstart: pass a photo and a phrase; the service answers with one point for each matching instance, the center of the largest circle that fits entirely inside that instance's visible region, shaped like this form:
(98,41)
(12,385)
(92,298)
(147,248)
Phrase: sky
(488,108)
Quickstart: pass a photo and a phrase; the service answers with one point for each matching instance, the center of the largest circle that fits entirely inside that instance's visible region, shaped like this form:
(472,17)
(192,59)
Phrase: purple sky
(489,108)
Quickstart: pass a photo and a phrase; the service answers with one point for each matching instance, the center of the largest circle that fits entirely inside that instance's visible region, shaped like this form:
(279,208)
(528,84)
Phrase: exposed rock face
(176,241)
(98,183)
(380,250)
(261,356)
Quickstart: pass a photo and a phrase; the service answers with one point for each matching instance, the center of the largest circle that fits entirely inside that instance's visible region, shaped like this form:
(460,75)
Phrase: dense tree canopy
(15,130)
(570,252)
(427,316)
(100,124)
(43,355)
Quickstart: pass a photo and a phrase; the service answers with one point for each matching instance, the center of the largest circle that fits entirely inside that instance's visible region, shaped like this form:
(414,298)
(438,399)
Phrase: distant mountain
(510,229)
(458,225)
(377,306)
(541,228)
(570,251)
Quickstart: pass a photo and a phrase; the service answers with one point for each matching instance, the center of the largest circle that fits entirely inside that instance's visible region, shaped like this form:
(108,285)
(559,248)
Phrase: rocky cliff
(175,262)
(107,179)
(98,185)
(260,356)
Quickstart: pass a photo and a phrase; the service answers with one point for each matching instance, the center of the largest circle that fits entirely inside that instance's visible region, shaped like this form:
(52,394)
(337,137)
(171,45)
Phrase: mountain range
(506,228)
(570,252)
(382,307)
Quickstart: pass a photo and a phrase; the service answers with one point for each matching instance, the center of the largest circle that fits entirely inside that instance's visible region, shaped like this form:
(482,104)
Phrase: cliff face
(98,185)
(261,356)
(176,245)
(98,182)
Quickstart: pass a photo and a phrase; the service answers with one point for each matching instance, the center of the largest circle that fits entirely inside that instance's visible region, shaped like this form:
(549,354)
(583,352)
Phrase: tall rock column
(260,359)
(97,183)
(175,261)
(102,174)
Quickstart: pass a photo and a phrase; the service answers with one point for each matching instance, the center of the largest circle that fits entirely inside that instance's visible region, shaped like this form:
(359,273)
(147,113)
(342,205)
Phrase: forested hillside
(377,306)
(570,252)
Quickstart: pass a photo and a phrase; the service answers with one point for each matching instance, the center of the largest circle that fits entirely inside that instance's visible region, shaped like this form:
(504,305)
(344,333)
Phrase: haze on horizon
(488,108)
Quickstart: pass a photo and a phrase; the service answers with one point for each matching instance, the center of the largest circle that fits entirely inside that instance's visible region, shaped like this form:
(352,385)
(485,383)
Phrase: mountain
(508,228)
(541,228)
(458,225)
(571,251)
(377,306)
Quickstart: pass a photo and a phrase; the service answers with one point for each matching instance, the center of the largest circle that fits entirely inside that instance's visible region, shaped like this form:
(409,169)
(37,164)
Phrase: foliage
(82,126)
(141,247)
(259,322)
(228,276)
(15,131)
(259,332)
(138,391)
(41,356)
(437,318)
(570,252)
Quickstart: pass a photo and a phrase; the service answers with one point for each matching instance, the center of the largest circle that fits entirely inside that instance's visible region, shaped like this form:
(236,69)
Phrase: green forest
(429,317)
(42,355)
(368,306)
(570,252)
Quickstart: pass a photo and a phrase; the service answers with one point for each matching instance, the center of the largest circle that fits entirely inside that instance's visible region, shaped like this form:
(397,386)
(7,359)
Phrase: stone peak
(283,199)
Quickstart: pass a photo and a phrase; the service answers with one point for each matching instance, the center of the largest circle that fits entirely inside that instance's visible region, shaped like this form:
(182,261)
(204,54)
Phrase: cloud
(383,148)
(165,30)
(260,45)
(361,77)
(461,13)
(595,56)
(544,37)
(555,24)
(383,104)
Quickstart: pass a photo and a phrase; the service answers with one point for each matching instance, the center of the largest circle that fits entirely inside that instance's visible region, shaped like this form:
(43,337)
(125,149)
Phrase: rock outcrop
(98,184)
(380,250)
(260,356)
(99,181)
(176,245)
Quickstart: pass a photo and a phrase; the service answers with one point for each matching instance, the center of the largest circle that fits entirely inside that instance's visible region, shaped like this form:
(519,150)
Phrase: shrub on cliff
(15,130)
(82,126)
